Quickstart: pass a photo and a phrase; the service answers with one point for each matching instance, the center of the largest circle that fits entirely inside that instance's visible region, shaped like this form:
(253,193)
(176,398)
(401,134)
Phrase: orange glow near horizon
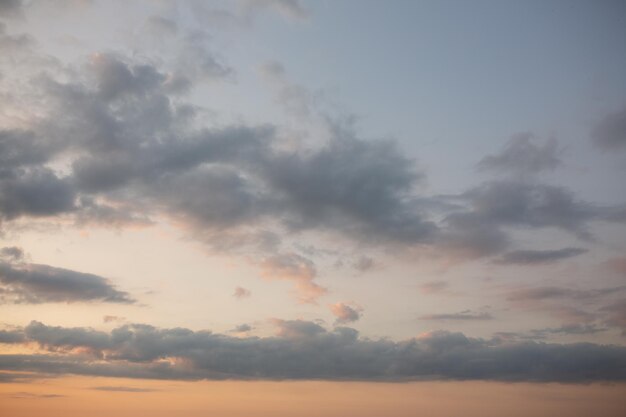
(80,396)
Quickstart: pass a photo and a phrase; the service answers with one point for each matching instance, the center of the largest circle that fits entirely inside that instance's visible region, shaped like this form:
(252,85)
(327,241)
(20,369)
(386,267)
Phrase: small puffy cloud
(241,292)
(298,269)
(345,313)
(113,319)
(364,264)
(242,328)
(610,133)
(539,257)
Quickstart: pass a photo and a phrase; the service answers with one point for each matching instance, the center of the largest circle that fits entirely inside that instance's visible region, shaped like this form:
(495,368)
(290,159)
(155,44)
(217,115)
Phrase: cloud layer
(304,350)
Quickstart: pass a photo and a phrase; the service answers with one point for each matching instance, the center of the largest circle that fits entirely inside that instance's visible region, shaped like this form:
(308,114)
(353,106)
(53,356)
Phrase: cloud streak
(26,283)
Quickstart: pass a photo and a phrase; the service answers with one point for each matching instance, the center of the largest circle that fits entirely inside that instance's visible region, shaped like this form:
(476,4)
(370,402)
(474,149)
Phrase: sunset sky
(306,208)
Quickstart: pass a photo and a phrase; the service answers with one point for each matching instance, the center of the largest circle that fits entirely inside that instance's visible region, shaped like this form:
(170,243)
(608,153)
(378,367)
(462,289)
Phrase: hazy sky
(195,193)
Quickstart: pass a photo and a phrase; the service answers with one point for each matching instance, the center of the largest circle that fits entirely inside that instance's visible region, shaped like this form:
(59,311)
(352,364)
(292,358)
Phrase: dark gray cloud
(522,156)
(12,336)
(461,316)
(33,284)
(518,204)
(610,133)
(304,350)
(137,150)
(35,192)
(22,148)
(135,145)
(359,187)
(495,208)
(12,253)
(535,257)
(11,8)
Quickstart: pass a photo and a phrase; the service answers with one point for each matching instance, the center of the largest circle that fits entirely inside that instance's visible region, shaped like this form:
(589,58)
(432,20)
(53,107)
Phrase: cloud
(610,133)
(522,156)
(122,389)
(545,293)
(462,316)
(113,319)
(292,9)
(577,309)
(11,336)
(364,264)
(11,8)
(34,396)
(26,283)
(242,328)
(132,147)
(616,315)
(345,313)
(305,350)
(36,192)
(241,292)
(535,257)
(12,253)
(545,333)
(360,188)
(496,207)
(295,268)
(137,150)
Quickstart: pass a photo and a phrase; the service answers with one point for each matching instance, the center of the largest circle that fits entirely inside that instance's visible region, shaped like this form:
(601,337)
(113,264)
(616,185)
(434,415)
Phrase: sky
(304,208)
